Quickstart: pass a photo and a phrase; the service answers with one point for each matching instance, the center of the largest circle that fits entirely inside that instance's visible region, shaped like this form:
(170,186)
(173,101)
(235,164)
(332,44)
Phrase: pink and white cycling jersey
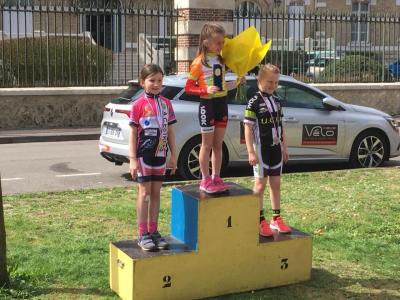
(151,114)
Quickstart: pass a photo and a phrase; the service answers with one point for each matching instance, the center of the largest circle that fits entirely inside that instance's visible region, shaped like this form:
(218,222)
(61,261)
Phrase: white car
(317,66)
(319,128)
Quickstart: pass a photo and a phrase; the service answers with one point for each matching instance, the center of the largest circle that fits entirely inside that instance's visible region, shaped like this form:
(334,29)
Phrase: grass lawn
(58,242)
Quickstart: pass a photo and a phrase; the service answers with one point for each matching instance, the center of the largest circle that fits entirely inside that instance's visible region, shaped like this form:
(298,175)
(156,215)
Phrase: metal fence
(329,47)
(96,42)
(86,45)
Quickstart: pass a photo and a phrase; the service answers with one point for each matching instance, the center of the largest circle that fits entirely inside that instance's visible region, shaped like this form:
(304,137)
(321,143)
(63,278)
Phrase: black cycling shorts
(151,168)
(213,113)
(270,161)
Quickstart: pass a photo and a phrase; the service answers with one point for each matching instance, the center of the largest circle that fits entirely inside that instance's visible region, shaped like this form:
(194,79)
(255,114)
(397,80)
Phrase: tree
(4,280)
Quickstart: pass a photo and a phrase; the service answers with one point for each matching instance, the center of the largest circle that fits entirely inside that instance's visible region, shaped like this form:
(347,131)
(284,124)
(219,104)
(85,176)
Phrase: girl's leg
(154,211)
(145,240)
(275,192)
(204,155)
(142,207)
(259,188)
(216,158)
(154,208)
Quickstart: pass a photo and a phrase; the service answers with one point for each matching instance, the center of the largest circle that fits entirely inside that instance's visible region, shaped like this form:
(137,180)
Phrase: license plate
(112,132)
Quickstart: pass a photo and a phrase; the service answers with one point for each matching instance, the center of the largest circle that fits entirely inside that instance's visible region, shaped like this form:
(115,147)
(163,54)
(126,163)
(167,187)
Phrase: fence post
(4,280)
(192,15)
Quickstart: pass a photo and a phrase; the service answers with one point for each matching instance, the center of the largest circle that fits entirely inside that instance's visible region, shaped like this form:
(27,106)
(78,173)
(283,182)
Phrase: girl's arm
(248,134)
(172,146)
(192,84)
(191,87)
(132,151)
(285,151)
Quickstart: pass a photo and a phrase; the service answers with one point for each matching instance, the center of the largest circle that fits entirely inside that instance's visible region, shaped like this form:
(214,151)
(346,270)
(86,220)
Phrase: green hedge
(287,61)
(355,68)
(56,61)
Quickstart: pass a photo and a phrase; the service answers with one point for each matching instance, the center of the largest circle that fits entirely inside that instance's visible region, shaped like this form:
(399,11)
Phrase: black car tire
(363,152)
(188,162)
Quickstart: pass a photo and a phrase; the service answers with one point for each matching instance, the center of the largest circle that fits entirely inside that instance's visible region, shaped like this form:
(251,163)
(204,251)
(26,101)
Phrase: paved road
(59,166)
(56,166)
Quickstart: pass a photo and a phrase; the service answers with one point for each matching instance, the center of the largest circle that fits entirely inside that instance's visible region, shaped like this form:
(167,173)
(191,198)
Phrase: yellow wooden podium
(214,249)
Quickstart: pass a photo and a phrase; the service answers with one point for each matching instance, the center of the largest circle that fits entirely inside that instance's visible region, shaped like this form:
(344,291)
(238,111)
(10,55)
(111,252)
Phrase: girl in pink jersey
(152,132)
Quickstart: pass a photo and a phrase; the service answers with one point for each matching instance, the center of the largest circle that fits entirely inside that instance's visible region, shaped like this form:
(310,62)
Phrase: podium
(215,249)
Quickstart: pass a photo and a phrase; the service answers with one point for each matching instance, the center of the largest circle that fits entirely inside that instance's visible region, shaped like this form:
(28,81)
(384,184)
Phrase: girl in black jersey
(266,145)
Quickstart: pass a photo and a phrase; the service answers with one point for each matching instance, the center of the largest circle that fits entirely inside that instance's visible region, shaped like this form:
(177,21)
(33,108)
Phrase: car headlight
(393,124)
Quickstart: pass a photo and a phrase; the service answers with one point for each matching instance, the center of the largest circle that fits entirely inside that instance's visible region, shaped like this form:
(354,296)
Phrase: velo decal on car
(319,134)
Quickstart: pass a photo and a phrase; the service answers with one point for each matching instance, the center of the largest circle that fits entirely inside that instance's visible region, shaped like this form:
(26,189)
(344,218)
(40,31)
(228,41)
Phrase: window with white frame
(104,25)
(296,24)
(17,22)
(359,28)
(18,2)
(113,4)
(249,15)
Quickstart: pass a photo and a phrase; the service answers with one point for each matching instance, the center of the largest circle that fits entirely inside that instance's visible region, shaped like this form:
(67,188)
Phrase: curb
(48,138)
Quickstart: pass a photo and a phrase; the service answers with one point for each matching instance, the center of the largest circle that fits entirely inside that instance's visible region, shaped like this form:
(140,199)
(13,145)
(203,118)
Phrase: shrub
(355,68)
(287,61)
(54,61)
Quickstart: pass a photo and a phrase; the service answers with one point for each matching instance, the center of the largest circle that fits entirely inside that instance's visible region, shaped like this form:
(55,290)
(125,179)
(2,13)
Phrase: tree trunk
(4,280)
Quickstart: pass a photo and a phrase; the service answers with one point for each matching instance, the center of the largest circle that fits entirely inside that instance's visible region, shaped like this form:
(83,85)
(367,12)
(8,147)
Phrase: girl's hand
(172,164)
(242,80)
(285,154)
(133,166)
(253,159)
(212,89)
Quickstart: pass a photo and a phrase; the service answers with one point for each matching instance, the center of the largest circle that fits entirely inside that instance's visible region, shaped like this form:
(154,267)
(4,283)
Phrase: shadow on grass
(323,285)
(24,286)
(168,177)
(77,291)
(326,285)
(26,290)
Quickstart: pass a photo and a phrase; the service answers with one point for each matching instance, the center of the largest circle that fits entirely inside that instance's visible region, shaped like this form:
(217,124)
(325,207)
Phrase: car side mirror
(333,103)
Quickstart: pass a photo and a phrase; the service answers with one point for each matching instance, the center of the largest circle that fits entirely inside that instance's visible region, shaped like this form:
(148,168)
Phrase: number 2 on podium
(284,263)
(229,221)
(166,281)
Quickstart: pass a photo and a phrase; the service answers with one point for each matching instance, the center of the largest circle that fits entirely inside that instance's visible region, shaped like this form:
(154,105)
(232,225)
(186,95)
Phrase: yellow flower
(245,51)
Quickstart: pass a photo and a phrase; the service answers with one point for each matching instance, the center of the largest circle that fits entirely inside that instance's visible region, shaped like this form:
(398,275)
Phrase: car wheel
(370,149)
(188,163)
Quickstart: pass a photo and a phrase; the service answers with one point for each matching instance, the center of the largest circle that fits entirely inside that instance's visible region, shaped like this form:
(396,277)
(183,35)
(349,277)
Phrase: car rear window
(128,95)
(134,91)
(170,92)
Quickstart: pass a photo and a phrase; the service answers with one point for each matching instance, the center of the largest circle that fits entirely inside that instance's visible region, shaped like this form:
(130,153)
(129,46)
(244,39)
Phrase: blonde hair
(207,32)
(264,69)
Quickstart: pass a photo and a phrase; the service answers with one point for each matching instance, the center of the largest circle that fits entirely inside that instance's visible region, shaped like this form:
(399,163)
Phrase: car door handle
(234,117)
(290,120)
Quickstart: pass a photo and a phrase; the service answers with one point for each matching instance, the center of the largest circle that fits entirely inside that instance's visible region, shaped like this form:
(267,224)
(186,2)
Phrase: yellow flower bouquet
(242,53)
